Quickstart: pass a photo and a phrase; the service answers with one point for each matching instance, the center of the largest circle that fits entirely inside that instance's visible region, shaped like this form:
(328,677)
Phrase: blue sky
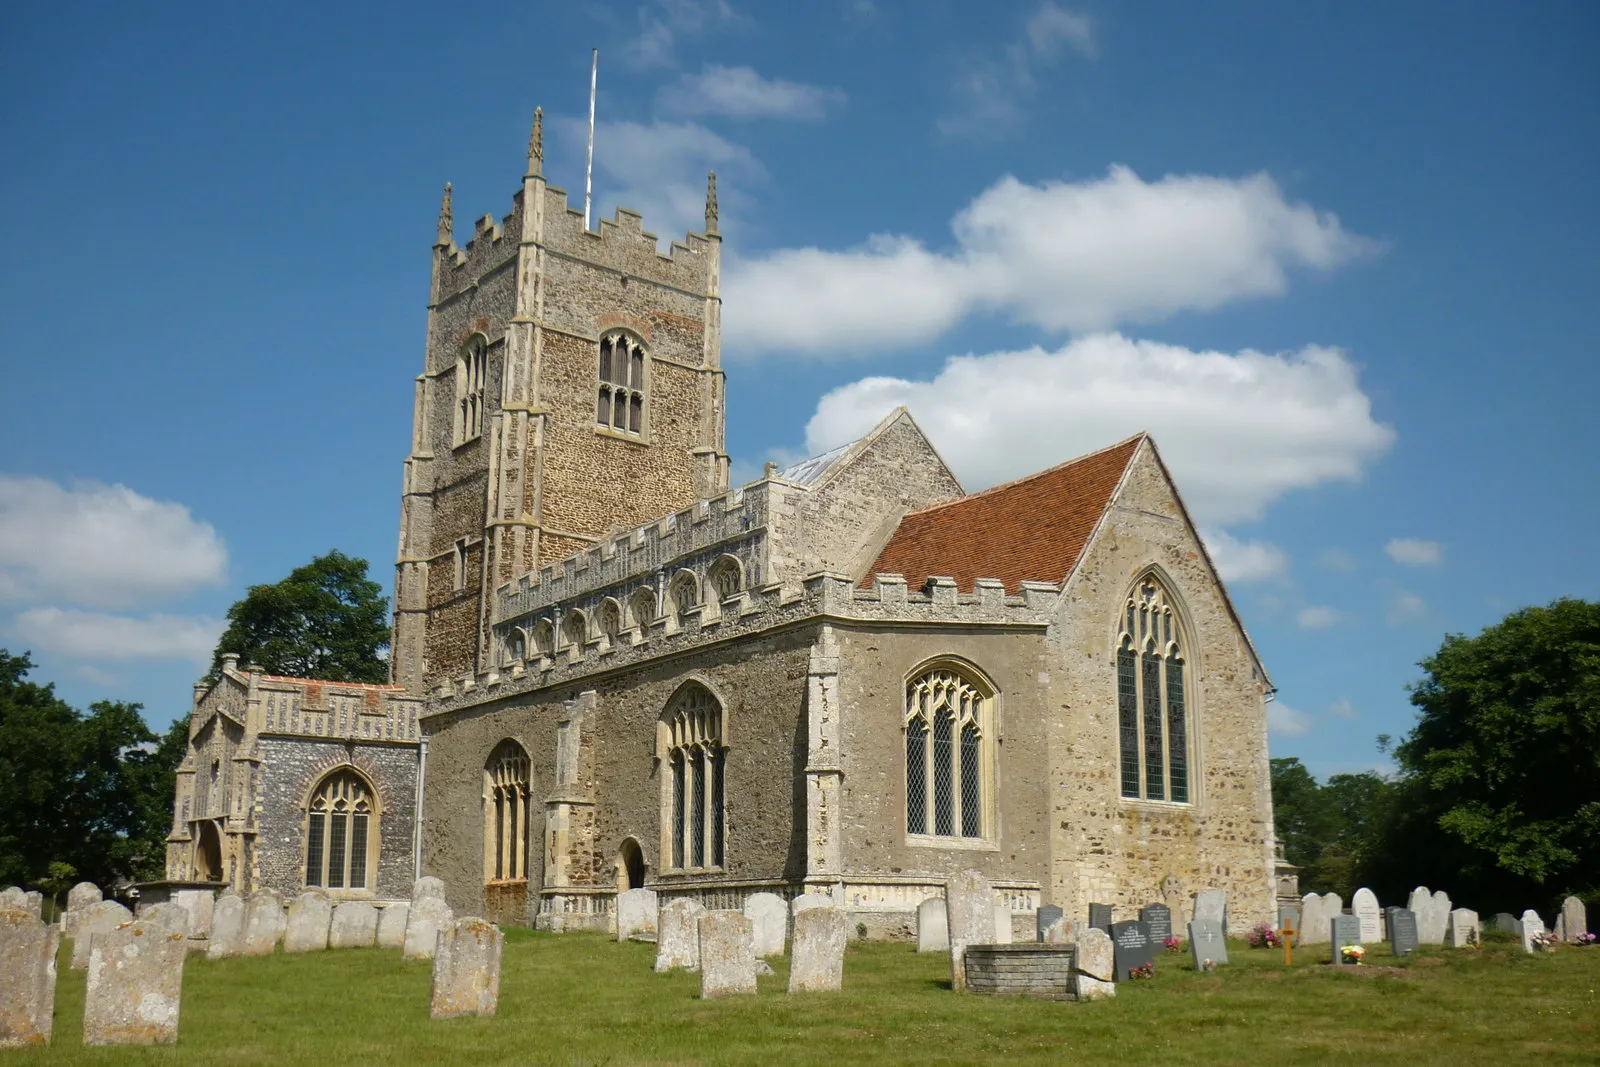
(1339,259)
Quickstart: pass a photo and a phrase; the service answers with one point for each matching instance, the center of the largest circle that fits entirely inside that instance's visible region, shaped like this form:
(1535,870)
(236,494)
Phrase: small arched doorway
(208,854)
(630,866)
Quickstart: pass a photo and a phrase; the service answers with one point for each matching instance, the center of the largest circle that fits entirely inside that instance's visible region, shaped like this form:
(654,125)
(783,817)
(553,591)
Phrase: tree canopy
(325,620)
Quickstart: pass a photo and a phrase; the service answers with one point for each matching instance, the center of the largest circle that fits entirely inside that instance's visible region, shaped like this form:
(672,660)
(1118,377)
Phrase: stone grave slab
(1532,927)
(727,954)
(1132,947)
(1100,917)
(80,898)
(933,932)
(1343,930)
(769,920)
(306,926)
(392,922)
(27,979)
(1507,923)
(1026,970)
(135,986)
(263,923)
(227,926)
(99,918)
(1158,918)
(1402,931)
(466,969)
(1206,943)
(425,919)
(969,917)
(678,939)
(1095,972)
(1463,929)
(636,913)
(354,925)
(1212,906)
(816,961)
(1364,905)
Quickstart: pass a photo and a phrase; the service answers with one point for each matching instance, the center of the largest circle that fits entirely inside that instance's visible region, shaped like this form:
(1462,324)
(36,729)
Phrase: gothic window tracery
(696,758)
(685,597)
(506,808)
(727,577)
(1152,711)
(470,368)
(619,403)
(611,620)
(341,833)
(949,754)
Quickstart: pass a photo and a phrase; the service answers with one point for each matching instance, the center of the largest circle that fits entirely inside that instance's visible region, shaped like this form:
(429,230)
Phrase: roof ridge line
(1029,477)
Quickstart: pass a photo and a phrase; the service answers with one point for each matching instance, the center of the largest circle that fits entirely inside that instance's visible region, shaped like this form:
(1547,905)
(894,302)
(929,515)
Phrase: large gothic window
(470,369)
(506,807)
(949,745)
(619,403)
(1152,713)
(341,833)
(695,758)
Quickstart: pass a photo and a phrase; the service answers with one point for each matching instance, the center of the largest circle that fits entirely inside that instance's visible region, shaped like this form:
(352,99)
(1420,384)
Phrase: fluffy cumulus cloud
(664,24)
(1318,617)
(1237,430)
(1284,721)
(100,545)
(1414,553)
(97,636)
(741,93)
(1244,561)
(989,93)
(1062,256)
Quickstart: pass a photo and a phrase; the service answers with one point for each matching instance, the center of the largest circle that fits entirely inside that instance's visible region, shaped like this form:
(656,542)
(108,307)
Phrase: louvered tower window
(619,399)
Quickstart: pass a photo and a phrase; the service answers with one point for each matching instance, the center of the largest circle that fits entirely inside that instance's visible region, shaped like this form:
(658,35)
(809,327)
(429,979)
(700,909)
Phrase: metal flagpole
(588,170)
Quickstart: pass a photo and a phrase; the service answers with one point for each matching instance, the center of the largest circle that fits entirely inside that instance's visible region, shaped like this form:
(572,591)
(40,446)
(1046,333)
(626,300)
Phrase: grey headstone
(1047,914)
(1343,930)
(810,900)
(727,954)
(1463,928)
(33,903)
(636,913)
(354,925)
(466,969)
(1096,967)
(425,919)
(1574,919)
(1402,931)
(12,898)
(1207,943)
(1100,917)
(135,986)
(306,926)
(769,921)
(1288,917)
(816,963)
(1212,906)
(969,917)
(1507,923)
(168,916)
(1313,920)
(933,931)
(392,922)
(1433,924)
(200,906)
(1063,931)
(1159,920)
(227,926)
(1532,926)
(1364,905)
(263,923)
(427,888)
(1002,922)
(678,939)
(1131,946)
(80,898)
(99,918)
(28,986)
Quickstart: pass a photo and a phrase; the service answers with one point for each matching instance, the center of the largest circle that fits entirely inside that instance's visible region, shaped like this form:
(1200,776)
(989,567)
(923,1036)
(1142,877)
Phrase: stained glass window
(1152,720)
(697,760)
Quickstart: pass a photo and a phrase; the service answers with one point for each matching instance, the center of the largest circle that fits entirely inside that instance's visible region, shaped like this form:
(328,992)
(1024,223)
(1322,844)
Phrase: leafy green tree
(1330,831)
(326,620)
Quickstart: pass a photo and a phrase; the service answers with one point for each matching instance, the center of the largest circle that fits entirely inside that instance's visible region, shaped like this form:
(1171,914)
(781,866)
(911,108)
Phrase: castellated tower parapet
(572,386)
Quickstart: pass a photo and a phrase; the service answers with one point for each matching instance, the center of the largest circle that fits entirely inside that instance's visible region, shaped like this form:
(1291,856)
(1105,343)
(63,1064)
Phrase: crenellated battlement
(621,243)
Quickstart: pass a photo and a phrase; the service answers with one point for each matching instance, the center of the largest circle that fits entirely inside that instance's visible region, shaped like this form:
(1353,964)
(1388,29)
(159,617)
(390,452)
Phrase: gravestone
(466,969)
(33,903)
(1288,916)
(135,986)
(392,921)
(12,898)
(1047,914)
(1432,926)
(1211,905)
(168,916)
(1343,930)
(96,919)
(1100,917)
(1002,923)
(354,925)
(306,926)
(1131,947)
(200,906)
(933,932)
(1364,905)
(427,888)
(227,926)
(1314,916)
(1507,923)
(769,921)
(263,923)
(1096,968)
(424,920)
(1463,928)
(1573,919)
(1402,931)
(678,939)
(27,979)
(636,913)
(809,900)
(1532,927)
(969,917)
(1173,895)
(1159,920)
(80,898)
(1063,931)
(1206,943)
(816,962)
(727,954)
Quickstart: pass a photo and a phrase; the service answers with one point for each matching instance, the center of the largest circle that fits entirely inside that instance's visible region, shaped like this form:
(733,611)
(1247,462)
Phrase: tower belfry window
(619,402)
(469,392)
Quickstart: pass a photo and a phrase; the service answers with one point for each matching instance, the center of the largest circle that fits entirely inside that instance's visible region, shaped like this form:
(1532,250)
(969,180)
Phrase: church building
(850,677)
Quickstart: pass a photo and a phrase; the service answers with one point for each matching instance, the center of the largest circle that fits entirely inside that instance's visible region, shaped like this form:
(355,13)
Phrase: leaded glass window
(337,837)
(696,759)
(1153,735)
(948,755)
(507,803)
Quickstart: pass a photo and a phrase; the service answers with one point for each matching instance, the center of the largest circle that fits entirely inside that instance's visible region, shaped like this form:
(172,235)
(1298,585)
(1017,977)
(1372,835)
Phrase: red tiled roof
(1032,529)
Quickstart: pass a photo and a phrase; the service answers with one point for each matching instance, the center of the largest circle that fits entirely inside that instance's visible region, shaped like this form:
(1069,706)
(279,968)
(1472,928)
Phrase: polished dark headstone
(1402,930)
(1131,947)
(1100,917)
(1344,930)
(1158,917)
(1047,914)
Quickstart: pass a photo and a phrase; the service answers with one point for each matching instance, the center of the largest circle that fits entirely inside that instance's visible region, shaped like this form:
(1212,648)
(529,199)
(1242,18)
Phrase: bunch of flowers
(1173,944)
(1262,935)
(1545,941)
(1585,939)
(1352,953)
(1208,965)
(1148,970)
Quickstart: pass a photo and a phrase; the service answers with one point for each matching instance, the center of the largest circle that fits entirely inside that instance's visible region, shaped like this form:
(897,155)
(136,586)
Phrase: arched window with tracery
(642,606)
(1152,711)
(949,725)
(619,403)
(610,620)
(544,637)
(470,370)
(506,807)
(696,759)
(685,597)
(575,630)
(341,833)
(726,577)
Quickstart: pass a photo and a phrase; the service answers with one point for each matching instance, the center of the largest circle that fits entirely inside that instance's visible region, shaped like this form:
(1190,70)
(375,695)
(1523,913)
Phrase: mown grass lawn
(582,999)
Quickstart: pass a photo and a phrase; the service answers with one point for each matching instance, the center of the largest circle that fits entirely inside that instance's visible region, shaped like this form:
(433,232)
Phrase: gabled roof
(1032,529)
(818,469)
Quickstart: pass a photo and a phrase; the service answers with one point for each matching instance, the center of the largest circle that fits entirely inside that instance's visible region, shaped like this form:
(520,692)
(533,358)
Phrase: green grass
(581,999)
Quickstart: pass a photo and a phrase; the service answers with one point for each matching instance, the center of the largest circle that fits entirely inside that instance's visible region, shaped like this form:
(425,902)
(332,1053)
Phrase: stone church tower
(524,450)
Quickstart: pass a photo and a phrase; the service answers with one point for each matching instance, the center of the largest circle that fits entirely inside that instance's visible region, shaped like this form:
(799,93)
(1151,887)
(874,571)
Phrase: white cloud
(991,93)
(97,636)
(1337,559)
(1406,607)
(1237,430)
(1318,617)
(664,23)
(741,93)
(1342,708)
(1285,721)
(1053,27)
(101,545)
(1062,256)
(1414,553)
(1244,561)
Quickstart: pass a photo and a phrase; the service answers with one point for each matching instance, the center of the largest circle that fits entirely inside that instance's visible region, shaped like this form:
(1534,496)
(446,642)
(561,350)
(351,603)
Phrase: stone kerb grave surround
(135,986)
(99,918)
(392,920)
(1132,947)
(227,926)
(1316,911)
(263,923)
(1343,930)
(466,969)
(1158,919)
(816,961)
(1572,920)
(27,979)
(1206,943)
(769,919)
(1463,929)
(1027,970)
(636,913)
(678,939)
(306,928)
(727,954)
(80,898)
(1047,914)
(1100,917)
(1211,905)
(1364,905)
(969,918)
(933,931)
(1095,971)
(1402,931)
(1532,927)
(354,925)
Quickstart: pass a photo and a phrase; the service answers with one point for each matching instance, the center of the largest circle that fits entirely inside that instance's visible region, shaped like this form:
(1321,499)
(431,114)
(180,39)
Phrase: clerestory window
(949,754)
(470,369)
(507,804)
(619,403)
(696,759)
(341,833)
(1152,712)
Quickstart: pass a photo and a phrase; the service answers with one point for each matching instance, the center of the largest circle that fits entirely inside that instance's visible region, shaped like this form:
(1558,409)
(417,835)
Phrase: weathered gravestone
(1063,931)
(169,917)
(678,939)
(816,962)
(1344,930)
(969,917)
(1402,931)
(1002,923)
(933,932)
(1463,928)
(12,898)
(1364,905)
(1096,968)
(1573,919)
(466,969)
(263,923)
(1315,914)
(227,926)
(1132,947)
(33,903)
(1532,928)
(424,920)
(1439,906)
(80,898)
(392,920)
(1206,944)
(96,919)
(354,925)
(1507,923)
(769,922)
(1211,905)
(1047,914)
(306,927)
(1159,921)
(27,978)
(636,913)
(727,954)
(135,986)
(810,900)
(1100,917)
